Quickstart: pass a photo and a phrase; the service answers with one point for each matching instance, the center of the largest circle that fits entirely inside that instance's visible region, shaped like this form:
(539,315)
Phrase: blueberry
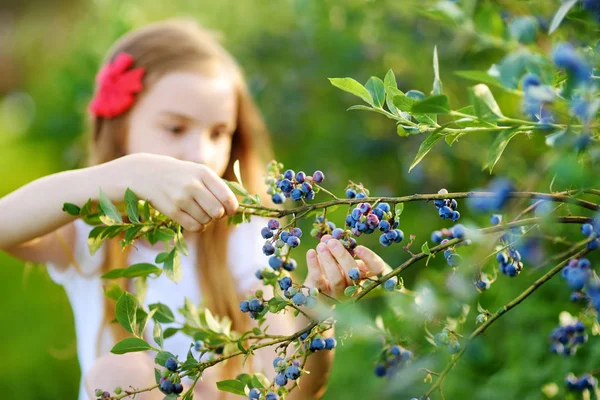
(317,344)
(286,186)
(377,212)
(458,231)
(271,396)
(361,196)
(309,196)
(576,296)
(166,387)
(268,249)
(258,274)
(383,239)
(280,379)
(177,388)
(304,336)
(350,222)
(354,274)
(171,364)
(350,193)
(293,241)
(275,262)
(330,343)
(364,208)
(198,344)
(285,236)
(594,244)
(244,306)
(390,284)
(289,174)
(299,299)
(396,350)
(391,235)
(579,326)
(300,177)
(306,187)
(584,263)
(445,212)
(276,362)
(318,176)
(361,226)
(436,237)
(496,219)
(296,194)
(380,370)
(285,282)
(385,207)
(255,305)
(399,236)
(455,216)
(454,260)
(502,258)
(277,198)
(290,265)
(297,232)
(293,372)
(356,214)
(266,233)
(337,233)
(254,393)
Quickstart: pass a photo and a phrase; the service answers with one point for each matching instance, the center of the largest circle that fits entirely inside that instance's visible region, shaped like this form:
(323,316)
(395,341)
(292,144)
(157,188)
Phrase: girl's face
(188,116)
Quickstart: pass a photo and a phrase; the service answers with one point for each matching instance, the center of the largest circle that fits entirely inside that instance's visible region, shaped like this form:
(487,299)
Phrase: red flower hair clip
(116,87)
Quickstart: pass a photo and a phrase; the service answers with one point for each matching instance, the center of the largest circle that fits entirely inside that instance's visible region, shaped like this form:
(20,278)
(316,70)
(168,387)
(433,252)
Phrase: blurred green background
(49,55)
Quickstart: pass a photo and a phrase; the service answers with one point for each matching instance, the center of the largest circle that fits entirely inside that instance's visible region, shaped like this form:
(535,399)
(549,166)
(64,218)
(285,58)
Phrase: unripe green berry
(98,392)
(314,292)
(118,390)
(259,293)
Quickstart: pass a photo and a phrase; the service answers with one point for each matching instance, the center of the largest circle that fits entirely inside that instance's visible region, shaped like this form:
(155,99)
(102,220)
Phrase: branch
(517,300)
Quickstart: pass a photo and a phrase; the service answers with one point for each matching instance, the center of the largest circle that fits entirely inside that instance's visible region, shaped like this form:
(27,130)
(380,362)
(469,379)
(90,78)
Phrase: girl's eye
(176,129)
(217,133)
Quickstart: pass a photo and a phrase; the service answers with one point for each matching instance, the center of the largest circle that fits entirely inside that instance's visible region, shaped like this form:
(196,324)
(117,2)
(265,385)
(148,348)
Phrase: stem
(517,300)
(128,393)
(278,213)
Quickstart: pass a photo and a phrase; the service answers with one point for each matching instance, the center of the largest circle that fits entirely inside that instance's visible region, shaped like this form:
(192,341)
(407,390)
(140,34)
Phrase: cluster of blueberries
(592,231)
(319,343)
(565,339)
(165,385)
(296,186)
(254,394)
(286,369)
(575,384)
(296,294)
(447,339)
(279,238)
(509,261)
(254,307)
(389,285)
(580,278)
(447,207)
(356,192)
(366,219)
(392,359)
(456,232)
(102,394)
(321,227)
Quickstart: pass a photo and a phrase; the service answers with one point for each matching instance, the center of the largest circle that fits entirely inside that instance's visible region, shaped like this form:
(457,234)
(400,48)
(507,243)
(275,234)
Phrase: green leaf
(109,209)
(498,147)
(398,211)
(236,172)
(86,210)
(426,146)
(161,257)
(172,266)
(260,381)
(162,357)
(163,313)
(132,232)
(126,310)
(481,77)
(95,238)
(351,86)
(180,243)
(391,89)
(277,303)
(146,211)
(403,102)
(71,209)
(367,108)
(232,386)
(562,12)
(170,332)
(350,290)
(113,291)
(130,345)
(211,322)
(376,89)
(237,188)
(484,104)
(141,289)
(132,206)
(133,271)
(432,105)
(425,248)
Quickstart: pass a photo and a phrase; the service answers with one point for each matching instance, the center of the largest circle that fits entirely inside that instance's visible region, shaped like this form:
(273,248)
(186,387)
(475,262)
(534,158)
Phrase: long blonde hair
(171,46)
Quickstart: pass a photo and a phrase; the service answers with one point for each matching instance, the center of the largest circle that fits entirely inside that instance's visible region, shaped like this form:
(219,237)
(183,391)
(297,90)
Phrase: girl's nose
(195,148)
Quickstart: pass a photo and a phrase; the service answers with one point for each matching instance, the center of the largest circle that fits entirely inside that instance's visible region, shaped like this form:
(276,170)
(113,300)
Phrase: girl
(171,114)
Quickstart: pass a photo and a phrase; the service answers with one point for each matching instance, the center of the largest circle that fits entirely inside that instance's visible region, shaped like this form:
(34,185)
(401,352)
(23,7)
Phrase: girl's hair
(182,45)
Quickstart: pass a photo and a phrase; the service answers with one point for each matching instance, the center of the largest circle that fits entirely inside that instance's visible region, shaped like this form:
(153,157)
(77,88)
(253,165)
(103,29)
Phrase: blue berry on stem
(171,364)
(318,176)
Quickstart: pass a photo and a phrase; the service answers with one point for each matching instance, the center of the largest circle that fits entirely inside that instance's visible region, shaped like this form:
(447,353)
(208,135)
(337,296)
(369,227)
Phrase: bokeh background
(49,55)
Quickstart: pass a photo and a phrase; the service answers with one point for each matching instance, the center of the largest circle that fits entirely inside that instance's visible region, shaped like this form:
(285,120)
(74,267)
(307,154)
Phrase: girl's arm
(189,193)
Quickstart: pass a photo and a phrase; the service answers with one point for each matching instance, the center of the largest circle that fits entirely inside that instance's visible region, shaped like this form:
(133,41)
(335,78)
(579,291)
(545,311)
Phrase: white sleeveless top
(86,296)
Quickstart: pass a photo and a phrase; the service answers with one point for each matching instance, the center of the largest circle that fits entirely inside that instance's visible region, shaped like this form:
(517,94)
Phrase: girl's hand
(191,194)
(328,266)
